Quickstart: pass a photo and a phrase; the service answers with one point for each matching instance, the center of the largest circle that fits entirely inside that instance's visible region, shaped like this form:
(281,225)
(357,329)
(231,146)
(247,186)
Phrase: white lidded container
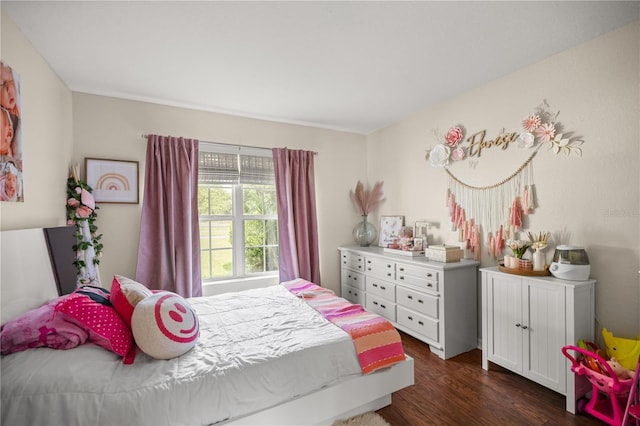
(570,263)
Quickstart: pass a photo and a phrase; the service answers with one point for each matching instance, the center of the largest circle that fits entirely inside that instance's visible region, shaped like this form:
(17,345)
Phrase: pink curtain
(169,249)
(297,221)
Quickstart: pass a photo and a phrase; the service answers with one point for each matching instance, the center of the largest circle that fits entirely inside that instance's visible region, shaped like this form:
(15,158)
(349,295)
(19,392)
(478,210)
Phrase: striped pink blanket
(376,340)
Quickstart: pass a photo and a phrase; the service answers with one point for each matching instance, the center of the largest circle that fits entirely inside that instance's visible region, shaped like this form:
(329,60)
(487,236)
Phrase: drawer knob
(518,325)
(375,285)
(383,287)
(375,303)
(401,269)
(524,327)
(388,266)
(401,277)
(410,297)
(388,274)
(410,318)
(383,307)
(420,322)
(429,275)
(420,301)
(429,285)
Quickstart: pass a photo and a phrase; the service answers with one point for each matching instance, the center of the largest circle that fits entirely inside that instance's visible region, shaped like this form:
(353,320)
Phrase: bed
(264,356)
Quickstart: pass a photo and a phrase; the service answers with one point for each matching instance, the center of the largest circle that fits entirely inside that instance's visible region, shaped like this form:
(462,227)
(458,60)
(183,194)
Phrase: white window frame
(240,280)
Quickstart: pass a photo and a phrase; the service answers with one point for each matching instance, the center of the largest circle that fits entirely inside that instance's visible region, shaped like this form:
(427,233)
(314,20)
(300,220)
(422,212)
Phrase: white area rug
(366,419)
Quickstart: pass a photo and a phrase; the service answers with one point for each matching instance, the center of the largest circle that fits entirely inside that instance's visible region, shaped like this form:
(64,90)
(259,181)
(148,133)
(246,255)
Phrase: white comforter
(256,349)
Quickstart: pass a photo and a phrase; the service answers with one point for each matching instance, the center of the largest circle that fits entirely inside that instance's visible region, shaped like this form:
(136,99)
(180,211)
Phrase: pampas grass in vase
(364,232)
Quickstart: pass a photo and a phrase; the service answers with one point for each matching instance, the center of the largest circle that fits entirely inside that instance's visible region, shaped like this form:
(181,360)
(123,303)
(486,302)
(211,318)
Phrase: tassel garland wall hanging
(498,209)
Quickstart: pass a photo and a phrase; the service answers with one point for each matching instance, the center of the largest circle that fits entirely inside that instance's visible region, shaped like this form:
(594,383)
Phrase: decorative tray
(410,253)
(544,273)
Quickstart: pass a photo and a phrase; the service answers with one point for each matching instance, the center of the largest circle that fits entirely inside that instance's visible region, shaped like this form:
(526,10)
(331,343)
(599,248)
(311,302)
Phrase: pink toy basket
(609,395)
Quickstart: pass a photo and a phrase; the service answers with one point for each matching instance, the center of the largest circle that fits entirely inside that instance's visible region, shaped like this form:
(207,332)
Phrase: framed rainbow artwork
(113,181)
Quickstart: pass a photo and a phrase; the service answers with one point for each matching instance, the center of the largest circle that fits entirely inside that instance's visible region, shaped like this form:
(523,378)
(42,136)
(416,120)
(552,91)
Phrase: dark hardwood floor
(459,392)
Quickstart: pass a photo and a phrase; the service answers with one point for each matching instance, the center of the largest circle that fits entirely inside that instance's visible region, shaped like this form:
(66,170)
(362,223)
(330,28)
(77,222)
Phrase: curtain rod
(230,144)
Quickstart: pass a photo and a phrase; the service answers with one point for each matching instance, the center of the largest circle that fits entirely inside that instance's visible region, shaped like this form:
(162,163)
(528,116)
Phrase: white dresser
(527,320)
(432,301)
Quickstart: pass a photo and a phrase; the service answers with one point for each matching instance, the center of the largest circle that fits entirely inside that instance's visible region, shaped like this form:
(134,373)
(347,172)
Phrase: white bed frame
(25,259)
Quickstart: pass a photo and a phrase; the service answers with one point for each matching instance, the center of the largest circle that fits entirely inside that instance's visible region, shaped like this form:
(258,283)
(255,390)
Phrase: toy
(626,351)
(621,372)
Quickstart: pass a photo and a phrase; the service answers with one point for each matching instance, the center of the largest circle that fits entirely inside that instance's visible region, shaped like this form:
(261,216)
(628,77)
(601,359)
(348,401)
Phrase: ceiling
(345,65)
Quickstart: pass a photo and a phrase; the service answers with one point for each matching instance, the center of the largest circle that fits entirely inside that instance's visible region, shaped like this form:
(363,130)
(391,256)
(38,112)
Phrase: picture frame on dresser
(420,230)
(390,229)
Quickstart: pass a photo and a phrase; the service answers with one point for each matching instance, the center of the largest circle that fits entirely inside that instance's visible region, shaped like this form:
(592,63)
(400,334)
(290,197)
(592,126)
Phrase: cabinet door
(543,336)
(504,321)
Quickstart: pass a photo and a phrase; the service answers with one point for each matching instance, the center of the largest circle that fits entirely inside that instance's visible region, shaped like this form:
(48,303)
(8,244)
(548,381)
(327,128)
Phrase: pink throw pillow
(125,295)
(89,308)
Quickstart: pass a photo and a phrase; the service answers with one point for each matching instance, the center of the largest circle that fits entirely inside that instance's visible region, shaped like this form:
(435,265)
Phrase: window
(238,212)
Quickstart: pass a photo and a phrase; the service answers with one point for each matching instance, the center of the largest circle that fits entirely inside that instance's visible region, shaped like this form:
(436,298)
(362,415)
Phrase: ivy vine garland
(81,211)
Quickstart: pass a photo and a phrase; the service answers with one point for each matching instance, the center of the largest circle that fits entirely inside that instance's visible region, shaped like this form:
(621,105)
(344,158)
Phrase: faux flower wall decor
(540,128)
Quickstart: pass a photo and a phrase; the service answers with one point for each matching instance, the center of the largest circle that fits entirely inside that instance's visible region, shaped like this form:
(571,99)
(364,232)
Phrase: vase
(364,233)
(525,264)
(539,260)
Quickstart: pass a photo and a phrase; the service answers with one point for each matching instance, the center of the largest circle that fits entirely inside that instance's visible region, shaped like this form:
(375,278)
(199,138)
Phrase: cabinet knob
(383,287)
(518,325)
(375,303)
(410,318)
(374,284)
(524,327)
(349,276)
(420,322)
(401,269)
(388,274)
(429,285)
(388,266)
(383,307)
(410,297)
(429,275)
(420,301)
(368,261)
(402,277)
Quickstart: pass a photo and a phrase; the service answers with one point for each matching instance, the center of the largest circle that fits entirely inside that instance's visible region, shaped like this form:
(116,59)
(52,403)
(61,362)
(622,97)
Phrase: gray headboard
(60,241)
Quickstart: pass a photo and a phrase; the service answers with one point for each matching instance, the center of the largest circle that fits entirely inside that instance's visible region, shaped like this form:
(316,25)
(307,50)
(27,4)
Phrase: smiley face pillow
(164,325)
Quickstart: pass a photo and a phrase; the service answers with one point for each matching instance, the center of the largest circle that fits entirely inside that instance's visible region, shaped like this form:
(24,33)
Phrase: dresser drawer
(352,278)
(420,302)
(419,276)
(381,306)
(382,288)
(353,295)
(425,326)
(381,267)
(351,260)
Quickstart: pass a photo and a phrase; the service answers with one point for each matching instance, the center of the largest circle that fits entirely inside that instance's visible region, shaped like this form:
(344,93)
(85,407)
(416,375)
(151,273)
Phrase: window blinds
(228,168)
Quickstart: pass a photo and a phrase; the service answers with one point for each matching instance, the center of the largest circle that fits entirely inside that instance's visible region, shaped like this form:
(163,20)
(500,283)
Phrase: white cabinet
(432,301)
(527,320)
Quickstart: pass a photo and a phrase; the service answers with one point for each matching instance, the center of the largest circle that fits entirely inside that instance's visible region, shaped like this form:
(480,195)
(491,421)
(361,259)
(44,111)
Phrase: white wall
(111,128)
(592,201)
(46,135)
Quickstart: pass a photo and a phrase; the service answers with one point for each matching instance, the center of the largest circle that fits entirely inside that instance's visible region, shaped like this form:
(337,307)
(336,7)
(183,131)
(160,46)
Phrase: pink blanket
(40,327)
(376,340)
